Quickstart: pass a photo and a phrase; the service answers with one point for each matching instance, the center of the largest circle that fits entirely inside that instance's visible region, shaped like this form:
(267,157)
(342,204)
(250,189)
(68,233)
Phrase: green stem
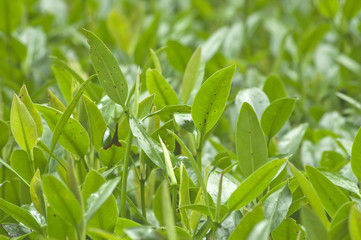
(142,198)
(123,197)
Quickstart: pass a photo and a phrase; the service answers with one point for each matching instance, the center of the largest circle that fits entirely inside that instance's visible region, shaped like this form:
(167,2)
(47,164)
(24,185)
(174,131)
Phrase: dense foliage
(188,119)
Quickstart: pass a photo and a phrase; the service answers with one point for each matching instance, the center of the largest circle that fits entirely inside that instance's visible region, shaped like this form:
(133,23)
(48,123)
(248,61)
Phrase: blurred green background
(313,46)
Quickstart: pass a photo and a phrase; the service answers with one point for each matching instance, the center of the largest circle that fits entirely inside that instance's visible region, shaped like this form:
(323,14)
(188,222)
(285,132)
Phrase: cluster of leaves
(217,120)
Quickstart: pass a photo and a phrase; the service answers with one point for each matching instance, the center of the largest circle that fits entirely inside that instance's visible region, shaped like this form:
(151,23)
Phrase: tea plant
(143,138)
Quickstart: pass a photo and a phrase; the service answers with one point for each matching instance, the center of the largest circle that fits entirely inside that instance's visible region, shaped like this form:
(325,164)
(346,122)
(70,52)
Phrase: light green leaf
(149,146)
(167,212)
(178,55)
(62,201)
(15,172)
(274,88)
(251,146)
(10,15)
(255,97)
(22,125)
(339,225)
(20,214)
(156,61)
(5,134)
(145,106)
(356,155)
(20,162)
(123,223)
(106,66)
(36,193)
(311,194)
(25,98)
(254,185)
(96,122)
(354,224)
(276,206)
(290,142)
(158,85)
(73,138)
(327,8)
(55,102)
(105,217)
(312,37)
(191,74)
(275,115)
(168,111)
(315,229)
(331,196)
(111,156)
(146,41)
(120,28)
(210,101)
(247,223)
(65,81)
(184,195)
(168,163)
(288,230)
(351,8)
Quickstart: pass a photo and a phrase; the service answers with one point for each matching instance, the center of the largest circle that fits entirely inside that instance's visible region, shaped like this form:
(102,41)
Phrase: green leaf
(62,201)
(120,28)
(106,66)
(167,112)
(254,185)
(311,194)
(57,228)
(331,196)
(276,115)
(255,97)
(184,196)
(123,223)
(247,223)
(290,142)
(111,156)
(55,102)
(178,55)
(339,225)
(20,162)
(167,212)
(158,85)
(36,193)
(274,88)
(351,8)
(20,214)
(288,230)
(327,8)
(149,146)
(276,206)
(146,41)
(96,122)
(156,61)
(311,38)
(22,125)
(145,106)
(168,163)
(101,203)
(356,155)
(5,134)
(210,101)
(64,81)
(25,98)
(315,229)
(74,137)
(191,74)
(354,224)
(251,146)
(15,172)
(10,15)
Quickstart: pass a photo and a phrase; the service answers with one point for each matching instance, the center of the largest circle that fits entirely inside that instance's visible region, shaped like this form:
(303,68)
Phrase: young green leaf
(254,185)
(55,102)
(274,88)
(330,195)
(311,194)
(61,199)
(106,66)
(168,111)
(4,164)
(178,55)
(168,163)
(184,196)
(167,212)
(191,74)
(354,223)
(164,93)
(251,146)
(210,101)
(356,155)
(20,214)
(339,225)
(20,162)
(25,98)
(156,61)
(275,115)
(64,81)
(36,193)
(73,138)
(22,125)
